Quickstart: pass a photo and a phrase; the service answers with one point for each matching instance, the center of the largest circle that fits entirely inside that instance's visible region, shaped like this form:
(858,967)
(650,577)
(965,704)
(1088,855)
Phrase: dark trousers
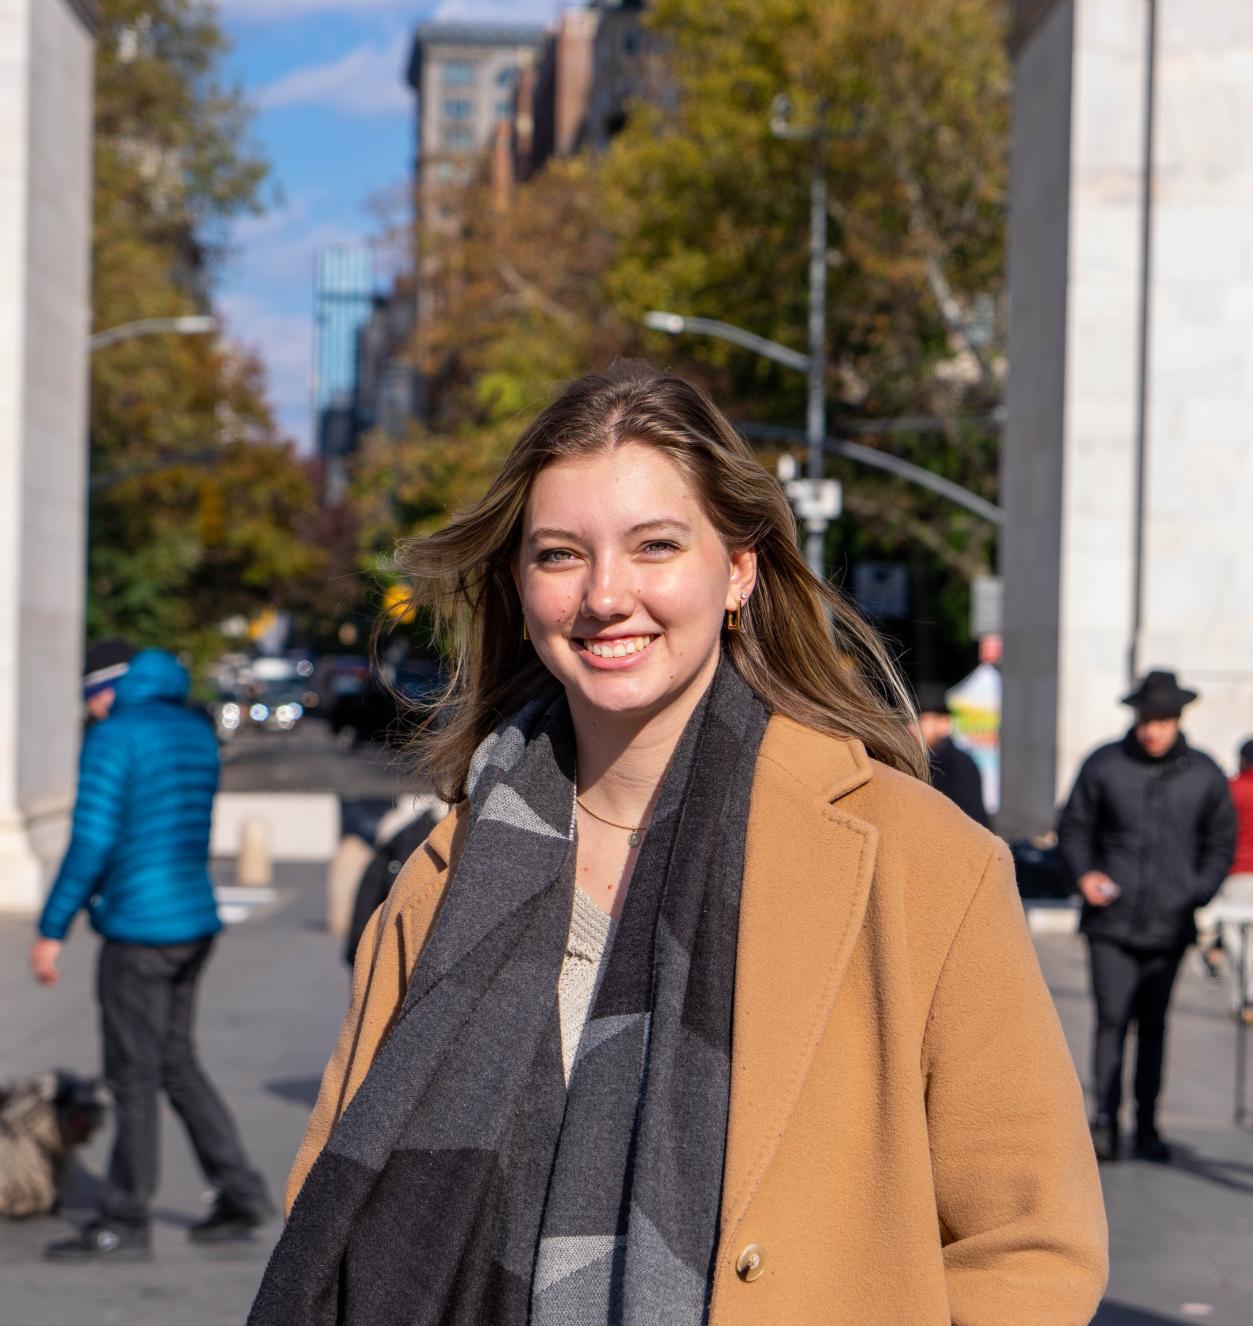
(147,999)
(1130,984)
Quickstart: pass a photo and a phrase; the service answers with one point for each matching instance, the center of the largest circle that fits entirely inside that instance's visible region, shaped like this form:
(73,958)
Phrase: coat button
(749,1264)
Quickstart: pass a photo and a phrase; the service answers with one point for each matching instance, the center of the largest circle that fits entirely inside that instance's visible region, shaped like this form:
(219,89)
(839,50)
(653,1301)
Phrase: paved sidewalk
(271,1003)
(1181,1236)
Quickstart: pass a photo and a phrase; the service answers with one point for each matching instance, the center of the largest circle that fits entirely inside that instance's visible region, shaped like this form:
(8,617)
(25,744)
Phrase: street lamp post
(815,499)
(816,406)
(816,134)
(188,324)
(675,324)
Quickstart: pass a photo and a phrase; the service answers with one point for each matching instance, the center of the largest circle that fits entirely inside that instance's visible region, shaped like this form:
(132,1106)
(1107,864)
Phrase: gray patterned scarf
(465,1184)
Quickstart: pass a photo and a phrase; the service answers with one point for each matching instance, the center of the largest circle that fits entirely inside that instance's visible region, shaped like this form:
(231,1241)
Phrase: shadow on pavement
(82,1194)
(302,1090)
(1122,1314)
(1226,1173)
(82,1191)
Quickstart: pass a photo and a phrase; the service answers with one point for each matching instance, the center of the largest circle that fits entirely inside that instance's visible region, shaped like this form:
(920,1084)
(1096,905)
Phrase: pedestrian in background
(701,1006)
(1236,888)
(380,874)
(138,862)
(1148,832)
(953,770)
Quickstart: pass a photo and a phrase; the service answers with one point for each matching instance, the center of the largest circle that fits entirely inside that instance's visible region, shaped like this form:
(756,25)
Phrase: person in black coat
(953,772)
(1148,833)
(379,876)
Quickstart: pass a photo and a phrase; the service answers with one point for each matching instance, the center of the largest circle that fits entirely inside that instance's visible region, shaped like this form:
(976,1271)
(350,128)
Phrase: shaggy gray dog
(44,1119)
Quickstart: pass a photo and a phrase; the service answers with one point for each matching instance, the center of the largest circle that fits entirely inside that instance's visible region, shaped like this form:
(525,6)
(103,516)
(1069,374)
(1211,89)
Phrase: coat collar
(807,871)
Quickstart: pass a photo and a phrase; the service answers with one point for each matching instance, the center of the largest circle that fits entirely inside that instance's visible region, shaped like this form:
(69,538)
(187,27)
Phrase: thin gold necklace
(636,831)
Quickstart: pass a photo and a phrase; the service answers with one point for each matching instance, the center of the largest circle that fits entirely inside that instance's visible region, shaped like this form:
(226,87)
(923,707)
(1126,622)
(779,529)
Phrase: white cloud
(370,79)
(496,11)
(268,302)
(503,11)
(367,80)
(278,248)
(284,342)
(245,11)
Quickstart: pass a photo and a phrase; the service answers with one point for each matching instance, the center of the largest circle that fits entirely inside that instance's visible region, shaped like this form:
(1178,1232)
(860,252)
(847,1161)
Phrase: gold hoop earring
(733,615)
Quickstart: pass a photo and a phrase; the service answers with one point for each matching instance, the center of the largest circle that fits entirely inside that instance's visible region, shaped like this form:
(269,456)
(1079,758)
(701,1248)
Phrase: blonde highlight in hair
(803,647)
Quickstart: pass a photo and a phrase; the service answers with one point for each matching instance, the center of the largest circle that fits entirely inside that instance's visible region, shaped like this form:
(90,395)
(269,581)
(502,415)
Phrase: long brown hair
(803,648)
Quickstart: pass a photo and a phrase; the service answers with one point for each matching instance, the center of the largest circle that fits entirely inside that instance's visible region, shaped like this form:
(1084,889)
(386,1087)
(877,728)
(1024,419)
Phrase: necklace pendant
(634,839)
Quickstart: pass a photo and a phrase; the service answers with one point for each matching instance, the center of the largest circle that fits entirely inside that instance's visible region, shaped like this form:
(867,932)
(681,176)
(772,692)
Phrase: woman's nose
(609,591)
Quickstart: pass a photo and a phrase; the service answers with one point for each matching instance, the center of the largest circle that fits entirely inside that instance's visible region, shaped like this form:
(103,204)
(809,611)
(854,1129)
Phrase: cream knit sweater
(591,931)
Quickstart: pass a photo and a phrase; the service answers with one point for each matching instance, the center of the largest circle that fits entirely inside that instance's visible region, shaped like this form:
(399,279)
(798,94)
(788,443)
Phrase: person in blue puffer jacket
(138,863)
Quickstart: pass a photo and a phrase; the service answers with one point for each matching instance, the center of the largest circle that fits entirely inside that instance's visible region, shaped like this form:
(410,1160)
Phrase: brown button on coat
(906,1143)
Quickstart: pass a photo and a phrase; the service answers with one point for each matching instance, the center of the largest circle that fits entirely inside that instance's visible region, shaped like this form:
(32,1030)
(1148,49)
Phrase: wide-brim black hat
(933,698)
(1159,695)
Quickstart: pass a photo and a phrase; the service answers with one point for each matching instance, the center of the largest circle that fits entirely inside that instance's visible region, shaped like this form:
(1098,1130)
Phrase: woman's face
(624,581)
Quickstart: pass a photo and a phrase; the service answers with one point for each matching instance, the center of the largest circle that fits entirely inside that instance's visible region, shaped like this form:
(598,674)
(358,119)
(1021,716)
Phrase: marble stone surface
(1069,472)
(46,58)
(1031,472)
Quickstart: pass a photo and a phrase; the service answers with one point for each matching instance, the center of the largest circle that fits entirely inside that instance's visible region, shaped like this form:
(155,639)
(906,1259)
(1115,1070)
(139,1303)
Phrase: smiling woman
(700,1006)
(610,461)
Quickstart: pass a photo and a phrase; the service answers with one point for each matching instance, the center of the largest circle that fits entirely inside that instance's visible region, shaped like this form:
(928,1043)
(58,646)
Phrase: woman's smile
(614,652)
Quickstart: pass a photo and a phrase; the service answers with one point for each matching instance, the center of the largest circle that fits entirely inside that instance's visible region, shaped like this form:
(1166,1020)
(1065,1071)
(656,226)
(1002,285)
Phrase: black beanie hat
(105,663)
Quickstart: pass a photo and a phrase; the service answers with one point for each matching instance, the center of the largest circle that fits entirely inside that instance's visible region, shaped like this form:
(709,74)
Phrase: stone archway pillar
(46,88)
(1127,472)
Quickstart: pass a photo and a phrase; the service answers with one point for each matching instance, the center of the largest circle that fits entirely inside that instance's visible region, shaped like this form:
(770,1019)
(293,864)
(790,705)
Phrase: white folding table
(1239,914)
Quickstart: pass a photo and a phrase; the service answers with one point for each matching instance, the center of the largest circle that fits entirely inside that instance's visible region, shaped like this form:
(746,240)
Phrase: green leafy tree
(710,211)
(412,485)
(199,509)
(698,207)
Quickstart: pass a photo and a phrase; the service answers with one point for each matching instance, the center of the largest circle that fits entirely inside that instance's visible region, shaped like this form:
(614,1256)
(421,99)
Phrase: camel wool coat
(907,1143)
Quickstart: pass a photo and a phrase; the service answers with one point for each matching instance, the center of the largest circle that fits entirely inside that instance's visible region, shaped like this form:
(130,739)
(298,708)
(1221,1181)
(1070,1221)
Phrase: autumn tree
(515,304)
(518,294)
(199,509)
(700,208)
(710,214)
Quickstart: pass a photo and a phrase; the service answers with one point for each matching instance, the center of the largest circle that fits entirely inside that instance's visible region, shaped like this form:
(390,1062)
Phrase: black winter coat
(955,773)
(1164,830)
(379,876)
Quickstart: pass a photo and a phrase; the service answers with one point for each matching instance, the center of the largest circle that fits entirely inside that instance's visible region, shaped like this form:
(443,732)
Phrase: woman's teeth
(618,648)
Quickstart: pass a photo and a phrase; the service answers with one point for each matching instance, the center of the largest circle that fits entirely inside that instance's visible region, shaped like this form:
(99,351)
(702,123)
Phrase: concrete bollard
(254,866)
(343,874)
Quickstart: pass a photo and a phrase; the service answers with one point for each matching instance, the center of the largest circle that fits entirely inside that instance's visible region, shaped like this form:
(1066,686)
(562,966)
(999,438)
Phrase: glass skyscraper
(343,295)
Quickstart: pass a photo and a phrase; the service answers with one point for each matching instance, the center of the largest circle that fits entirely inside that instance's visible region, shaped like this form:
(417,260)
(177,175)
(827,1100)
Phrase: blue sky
(335,120)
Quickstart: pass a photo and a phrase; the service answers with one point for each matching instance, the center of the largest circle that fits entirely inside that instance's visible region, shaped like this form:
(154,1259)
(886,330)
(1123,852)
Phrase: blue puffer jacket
(138,857)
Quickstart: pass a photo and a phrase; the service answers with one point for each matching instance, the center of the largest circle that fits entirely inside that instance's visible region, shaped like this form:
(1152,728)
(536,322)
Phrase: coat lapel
(807,872)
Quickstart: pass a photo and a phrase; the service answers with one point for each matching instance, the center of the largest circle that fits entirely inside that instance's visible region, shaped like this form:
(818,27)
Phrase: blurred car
(292,673)
(377,709)
(274,707)
(337,675)
(227,716)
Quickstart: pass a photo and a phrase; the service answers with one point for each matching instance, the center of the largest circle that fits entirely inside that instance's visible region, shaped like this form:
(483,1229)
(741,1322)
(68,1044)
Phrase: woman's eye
(551,555)
(660,546)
